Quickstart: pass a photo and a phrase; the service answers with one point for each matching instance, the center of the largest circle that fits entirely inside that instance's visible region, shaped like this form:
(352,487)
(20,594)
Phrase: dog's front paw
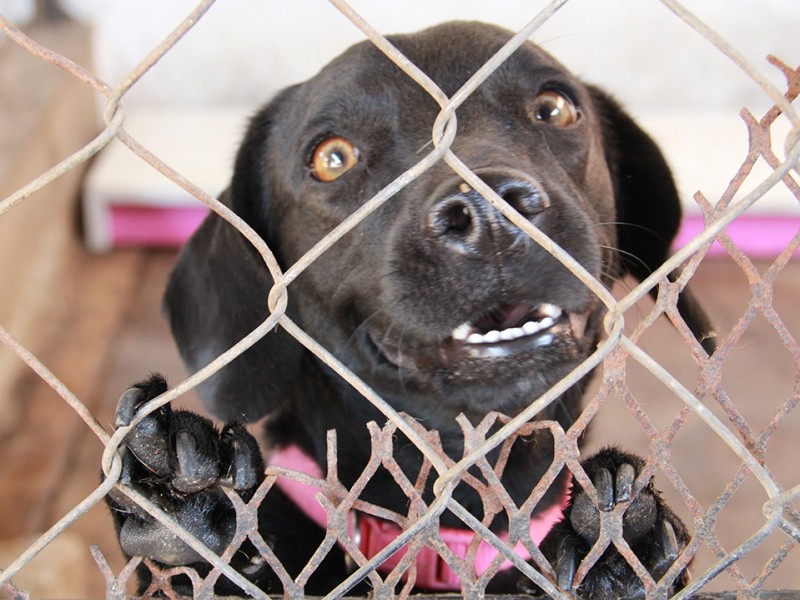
(654,533)
(182,463)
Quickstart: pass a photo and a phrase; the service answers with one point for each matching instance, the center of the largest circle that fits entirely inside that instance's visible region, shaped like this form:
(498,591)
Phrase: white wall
(19,12)
(681,88)
(244,50)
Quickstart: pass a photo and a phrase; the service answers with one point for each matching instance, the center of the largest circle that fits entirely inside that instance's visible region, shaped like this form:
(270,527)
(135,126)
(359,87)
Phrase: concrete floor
(94,320)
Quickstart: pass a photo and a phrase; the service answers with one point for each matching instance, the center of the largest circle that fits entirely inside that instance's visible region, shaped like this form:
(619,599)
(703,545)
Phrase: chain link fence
(615,355)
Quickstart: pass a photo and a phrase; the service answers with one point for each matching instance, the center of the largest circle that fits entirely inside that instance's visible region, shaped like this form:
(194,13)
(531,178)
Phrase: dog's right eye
(554,107)
(332,158)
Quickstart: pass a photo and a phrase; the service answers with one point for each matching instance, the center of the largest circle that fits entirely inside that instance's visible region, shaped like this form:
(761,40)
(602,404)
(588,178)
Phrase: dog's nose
(463,219)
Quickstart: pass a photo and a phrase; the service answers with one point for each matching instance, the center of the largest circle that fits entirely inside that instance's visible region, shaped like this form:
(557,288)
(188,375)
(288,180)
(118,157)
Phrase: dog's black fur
(387,297)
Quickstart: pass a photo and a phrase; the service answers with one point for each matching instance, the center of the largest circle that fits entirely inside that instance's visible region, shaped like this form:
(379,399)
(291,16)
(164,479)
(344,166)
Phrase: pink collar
(375,534)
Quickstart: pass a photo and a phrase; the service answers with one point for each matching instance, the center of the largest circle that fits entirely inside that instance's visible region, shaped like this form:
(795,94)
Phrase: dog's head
(437,300)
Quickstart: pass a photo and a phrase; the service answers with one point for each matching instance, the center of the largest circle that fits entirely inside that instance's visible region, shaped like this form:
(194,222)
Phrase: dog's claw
(241,471)
(127,467)
(566,563)
(136,395)
(148,441)
(127,405)
(668,540)
(240,451)
(626,475)
(604,484)
(196,470)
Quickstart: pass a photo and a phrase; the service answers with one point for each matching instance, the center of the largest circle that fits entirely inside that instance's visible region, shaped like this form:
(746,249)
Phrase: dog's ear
(647,206)
(217,293)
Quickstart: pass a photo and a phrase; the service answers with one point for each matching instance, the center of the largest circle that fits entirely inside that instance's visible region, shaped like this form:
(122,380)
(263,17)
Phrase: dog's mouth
(503,332)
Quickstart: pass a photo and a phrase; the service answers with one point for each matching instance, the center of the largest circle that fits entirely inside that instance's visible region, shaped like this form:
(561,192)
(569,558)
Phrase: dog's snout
(453,216)
(524,196)
(465,221)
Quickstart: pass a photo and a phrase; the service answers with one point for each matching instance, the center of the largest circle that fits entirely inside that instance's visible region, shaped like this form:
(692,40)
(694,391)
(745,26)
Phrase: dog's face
(438,293)
(437,300)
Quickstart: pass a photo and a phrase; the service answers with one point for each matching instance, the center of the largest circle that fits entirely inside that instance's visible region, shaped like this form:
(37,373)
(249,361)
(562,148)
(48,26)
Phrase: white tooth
(492,337)
(476,338)
(531,327)
(461,332)
(551,310)
(546,322)
(511,334)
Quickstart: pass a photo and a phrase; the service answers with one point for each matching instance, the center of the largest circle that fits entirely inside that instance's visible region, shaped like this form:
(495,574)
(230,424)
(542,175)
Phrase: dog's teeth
(492,337)
(466,332)
(462,332)
(512,334)
(550,310)
(531,327)
(545,340)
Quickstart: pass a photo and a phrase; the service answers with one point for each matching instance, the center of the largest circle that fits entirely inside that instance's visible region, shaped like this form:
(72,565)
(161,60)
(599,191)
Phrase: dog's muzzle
(461,220)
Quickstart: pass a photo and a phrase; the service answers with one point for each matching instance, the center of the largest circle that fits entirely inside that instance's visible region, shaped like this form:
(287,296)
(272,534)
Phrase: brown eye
(332,158)
(554,108)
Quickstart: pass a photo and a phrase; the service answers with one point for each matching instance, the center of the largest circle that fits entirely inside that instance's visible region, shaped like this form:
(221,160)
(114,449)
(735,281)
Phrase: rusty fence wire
(616,353)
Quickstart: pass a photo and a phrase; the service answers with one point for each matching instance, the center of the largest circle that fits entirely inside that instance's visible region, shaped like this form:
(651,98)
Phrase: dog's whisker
(627,254)
(626,224)
(351,339)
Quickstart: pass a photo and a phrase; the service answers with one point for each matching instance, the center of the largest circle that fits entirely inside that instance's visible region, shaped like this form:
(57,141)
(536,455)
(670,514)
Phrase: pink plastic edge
(144,226)
(758,237)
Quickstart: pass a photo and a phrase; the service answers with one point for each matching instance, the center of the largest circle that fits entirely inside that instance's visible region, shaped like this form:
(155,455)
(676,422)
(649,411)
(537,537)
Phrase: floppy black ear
(648,207)
(217,293)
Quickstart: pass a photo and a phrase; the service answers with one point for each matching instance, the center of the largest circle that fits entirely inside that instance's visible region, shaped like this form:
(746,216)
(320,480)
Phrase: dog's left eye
(554,108)
(332,158)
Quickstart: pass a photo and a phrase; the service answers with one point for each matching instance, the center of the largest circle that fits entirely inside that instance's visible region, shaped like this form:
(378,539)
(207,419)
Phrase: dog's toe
(196,464)
(241,457)
(566,563)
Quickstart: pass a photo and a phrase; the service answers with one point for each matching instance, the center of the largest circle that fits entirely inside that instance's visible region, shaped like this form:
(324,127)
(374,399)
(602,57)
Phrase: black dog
(436,300)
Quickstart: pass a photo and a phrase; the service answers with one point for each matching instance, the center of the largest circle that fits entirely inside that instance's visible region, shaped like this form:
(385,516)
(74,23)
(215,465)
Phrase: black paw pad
(181,462)
(655,534)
